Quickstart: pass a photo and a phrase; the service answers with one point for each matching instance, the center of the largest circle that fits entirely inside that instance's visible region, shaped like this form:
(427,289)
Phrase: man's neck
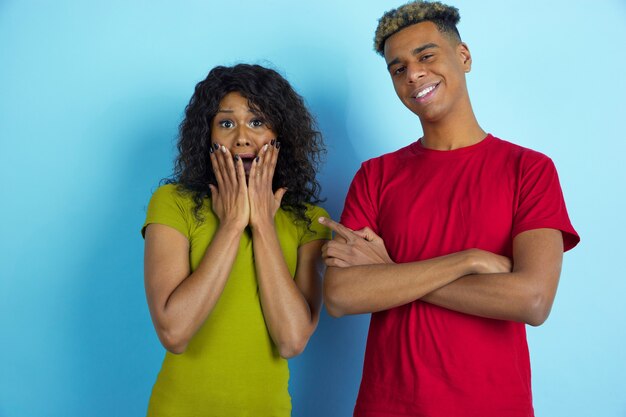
(457,131)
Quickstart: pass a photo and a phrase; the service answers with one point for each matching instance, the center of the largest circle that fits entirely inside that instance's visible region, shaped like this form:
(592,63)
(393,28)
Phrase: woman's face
(239,129)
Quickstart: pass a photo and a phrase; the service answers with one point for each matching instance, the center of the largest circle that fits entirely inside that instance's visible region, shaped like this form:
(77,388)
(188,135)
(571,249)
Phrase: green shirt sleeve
(317,231)
(167,207)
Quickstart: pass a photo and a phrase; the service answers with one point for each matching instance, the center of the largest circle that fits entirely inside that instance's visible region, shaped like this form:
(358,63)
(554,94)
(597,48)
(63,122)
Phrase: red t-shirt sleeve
(540,203)
(360,209)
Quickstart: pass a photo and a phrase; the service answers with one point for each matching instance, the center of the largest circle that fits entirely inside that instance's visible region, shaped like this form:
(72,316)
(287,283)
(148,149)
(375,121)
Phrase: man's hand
(353,247)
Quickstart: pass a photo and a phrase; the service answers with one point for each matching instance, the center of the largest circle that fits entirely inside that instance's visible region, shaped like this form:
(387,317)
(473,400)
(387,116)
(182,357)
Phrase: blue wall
(91,94)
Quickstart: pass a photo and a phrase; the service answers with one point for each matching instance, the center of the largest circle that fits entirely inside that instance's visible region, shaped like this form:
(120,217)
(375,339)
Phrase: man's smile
(424,93)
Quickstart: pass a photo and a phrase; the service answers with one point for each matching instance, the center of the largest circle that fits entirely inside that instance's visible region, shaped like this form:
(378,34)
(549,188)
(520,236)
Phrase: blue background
(91,94)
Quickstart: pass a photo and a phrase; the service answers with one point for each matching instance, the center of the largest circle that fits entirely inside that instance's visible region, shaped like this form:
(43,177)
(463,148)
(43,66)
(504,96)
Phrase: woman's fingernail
(223,149)
(277,145)
(236,157)
(215,146)
(257,158)
(265,147)
(211,149)
(273,141)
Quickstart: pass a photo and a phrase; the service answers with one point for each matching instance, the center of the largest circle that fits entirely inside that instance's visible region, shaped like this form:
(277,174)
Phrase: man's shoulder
(517,149)
(389,159)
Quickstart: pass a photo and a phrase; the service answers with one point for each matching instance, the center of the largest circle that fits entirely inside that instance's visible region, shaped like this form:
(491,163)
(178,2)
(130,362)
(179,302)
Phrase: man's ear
(465,56)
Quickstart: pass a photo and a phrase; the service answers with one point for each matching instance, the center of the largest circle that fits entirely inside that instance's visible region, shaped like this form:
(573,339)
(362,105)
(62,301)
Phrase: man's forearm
(524,295)
(371,288)
(497,296)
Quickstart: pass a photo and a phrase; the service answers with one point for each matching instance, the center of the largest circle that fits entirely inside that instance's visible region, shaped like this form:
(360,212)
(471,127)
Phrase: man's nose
(415,71)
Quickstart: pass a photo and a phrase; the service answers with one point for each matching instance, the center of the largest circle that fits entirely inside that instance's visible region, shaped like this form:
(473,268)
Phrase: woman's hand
(264,203)
(230,197)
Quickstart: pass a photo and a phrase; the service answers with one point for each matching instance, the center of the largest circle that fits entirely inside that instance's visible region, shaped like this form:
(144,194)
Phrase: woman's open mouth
(247,159)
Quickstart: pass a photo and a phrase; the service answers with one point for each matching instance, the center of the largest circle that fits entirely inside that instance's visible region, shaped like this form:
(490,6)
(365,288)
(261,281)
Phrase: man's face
(428,70)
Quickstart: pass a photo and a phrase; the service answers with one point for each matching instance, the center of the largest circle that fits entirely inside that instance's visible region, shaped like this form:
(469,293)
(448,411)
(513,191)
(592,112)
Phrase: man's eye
(226,124)
(398,70)
(426,57)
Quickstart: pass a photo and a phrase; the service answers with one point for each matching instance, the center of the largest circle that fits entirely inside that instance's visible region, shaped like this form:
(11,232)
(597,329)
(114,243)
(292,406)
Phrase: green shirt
(231,366)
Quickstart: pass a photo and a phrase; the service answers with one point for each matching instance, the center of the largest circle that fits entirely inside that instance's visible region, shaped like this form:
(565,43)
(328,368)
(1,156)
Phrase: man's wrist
(473,261)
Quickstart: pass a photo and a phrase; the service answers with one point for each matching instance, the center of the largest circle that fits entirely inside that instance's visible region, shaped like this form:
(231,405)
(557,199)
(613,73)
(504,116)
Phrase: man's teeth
(425,91)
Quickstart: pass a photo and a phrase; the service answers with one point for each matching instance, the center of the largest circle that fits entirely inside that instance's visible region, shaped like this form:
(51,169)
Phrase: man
(453,243)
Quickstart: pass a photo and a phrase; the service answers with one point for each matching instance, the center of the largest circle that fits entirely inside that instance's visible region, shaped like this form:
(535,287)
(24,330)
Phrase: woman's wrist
(232,226)
(263,224)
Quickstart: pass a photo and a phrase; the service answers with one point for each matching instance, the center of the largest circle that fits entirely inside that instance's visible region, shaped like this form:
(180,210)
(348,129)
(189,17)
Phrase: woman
(231,251)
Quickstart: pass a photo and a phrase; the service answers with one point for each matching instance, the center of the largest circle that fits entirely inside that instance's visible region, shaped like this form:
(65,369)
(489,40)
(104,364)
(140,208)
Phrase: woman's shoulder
(311,230)
(170,207)
(173,192)
(314,212)
(173,198)
(167,190)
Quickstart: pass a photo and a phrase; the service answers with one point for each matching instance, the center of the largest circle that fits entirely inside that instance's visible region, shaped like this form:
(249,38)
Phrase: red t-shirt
(424,360)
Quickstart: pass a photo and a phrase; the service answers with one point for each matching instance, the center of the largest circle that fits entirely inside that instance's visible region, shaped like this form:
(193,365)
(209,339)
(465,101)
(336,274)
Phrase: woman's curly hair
(269,94)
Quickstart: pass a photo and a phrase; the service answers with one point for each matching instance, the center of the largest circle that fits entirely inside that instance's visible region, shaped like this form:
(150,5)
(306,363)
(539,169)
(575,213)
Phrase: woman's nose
(242,137)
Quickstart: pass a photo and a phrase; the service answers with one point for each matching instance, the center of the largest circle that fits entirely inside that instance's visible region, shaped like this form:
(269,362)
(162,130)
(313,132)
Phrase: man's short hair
(445,17)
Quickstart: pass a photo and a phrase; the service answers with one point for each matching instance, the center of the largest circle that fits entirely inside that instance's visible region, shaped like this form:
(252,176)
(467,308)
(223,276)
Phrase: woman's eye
(257,123)
(226,124)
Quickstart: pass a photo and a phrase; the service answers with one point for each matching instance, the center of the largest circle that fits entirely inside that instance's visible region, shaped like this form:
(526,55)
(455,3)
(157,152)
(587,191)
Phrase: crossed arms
(362,278)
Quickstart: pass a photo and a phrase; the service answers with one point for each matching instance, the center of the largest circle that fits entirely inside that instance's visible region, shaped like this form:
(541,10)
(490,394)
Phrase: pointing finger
(338,228)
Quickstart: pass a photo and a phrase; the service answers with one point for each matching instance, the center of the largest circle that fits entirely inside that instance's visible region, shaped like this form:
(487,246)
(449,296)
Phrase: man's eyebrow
(422,48)
(415,51)
(392,63)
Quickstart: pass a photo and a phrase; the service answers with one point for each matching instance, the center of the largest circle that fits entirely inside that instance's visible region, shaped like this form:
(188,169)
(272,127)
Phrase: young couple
(454,243)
